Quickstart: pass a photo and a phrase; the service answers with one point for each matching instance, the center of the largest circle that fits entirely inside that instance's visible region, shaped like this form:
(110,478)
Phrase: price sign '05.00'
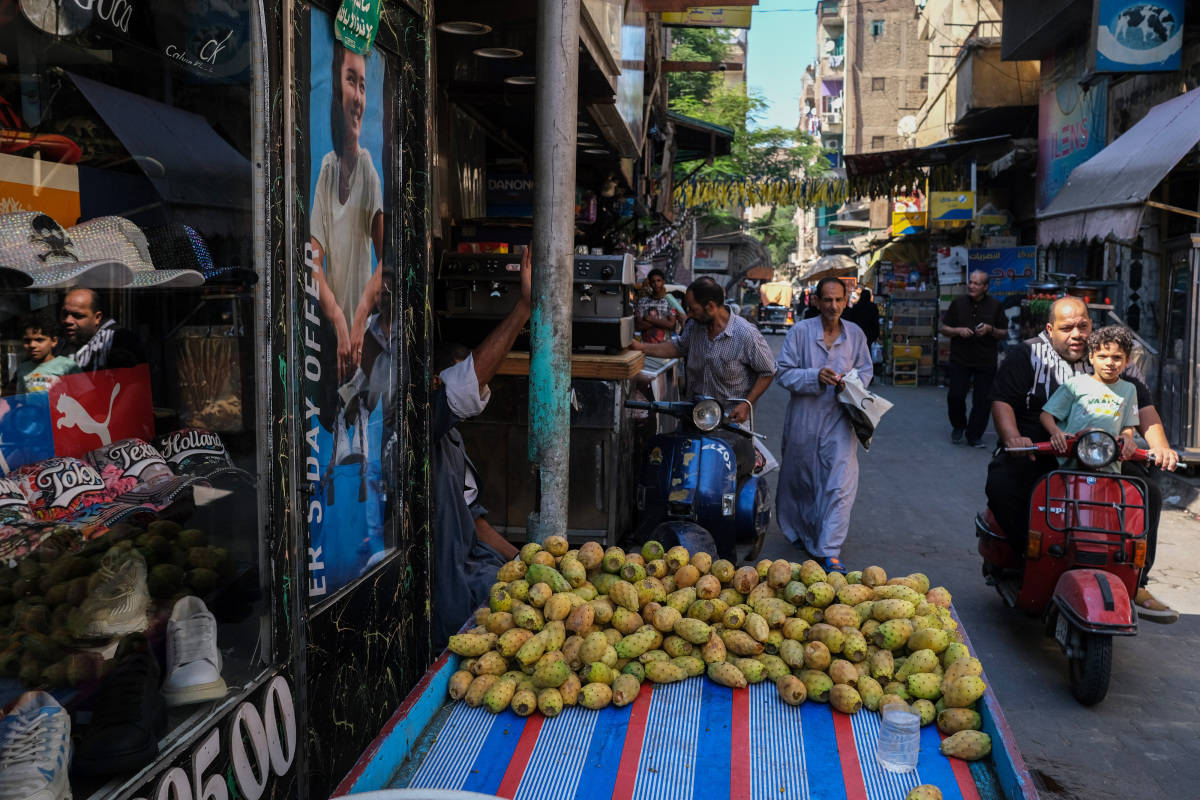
(258,742)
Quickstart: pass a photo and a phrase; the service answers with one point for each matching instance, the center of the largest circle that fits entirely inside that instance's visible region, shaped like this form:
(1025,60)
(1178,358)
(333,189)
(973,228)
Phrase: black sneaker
(129,717)
(979,444)
(956,435)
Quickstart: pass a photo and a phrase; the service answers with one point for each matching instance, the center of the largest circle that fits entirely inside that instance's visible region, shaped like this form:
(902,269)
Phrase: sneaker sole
(1161,617)
(200,693)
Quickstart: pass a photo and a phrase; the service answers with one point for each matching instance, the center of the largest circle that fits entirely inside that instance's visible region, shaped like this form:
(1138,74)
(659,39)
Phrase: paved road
(917,498)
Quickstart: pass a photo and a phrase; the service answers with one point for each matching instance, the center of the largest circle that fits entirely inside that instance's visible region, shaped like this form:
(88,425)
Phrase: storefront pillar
(556,100)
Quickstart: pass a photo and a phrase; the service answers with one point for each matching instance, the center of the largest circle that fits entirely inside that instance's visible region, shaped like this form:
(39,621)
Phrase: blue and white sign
(1138,37)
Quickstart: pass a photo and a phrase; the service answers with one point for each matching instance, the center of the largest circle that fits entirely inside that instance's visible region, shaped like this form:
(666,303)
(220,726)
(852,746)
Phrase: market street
(917,499)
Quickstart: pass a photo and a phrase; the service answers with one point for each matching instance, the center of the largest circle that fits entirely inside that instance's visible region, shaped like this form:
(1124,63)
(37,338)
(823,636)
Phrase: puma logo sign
(76,416)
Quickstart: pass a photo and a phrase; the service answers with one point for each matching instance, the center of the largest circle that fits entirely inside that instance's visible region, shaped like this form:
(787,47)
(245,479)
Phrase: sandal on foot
(833,564)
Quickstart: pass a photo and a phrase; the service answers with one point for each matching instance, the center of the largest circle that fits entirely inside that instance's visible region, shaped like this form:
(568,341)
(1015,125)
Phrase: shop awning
(828,266)
(696,139)
(183,157)
(984,149)
(1105,195)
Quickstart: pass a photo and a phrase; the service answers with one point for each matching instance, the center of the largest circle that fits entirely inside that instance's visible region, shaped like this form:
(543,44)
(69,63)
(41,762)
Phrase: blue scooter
(691,490)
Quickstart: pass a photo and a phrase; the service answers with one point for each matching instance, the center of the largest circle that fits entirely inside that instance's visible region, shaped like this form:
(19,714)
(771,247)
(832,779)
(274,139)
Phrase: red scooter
(1085,550)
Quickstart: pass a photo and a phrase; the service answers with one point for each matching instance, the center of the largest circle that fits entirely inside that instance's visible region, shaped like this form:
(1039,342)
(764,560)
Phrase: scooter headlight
(706,415)
(1096,449)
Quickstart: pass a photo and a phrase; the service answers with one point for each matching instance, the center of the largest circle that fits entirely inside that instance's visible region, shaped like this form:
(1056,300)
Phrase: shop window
(131,581)
(876,142)
(878,84)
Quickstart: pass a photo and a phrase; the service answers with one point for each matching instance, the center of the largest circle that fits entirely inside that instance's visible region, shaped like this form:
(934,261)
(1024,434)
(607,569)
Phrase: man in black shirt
(98,341)
(1029,375)
(864,313)
(975,322)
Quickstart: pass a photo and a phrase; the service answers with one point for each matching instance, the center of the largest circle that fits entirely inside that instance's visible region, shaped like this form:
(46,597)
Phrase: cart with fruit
(596,673)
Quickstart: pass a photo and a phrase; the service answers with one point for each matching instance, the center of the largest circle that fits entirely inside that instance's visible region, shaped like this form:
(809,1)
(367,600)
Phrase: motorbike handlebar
(1141,454)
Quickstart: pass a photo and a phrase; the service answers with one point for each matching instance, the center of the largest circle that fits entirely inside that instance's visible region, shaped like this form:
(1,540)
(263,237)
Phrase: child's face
(39,346)
(1108,361)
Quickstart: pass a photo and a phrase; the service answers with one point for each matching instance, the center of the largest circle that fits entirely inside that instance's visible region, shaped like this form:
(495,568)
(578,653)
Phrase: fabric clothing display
(38,377)
(818,473)
(727,366)
(464,567)
(344,229)
(199,453)
(111,347)
(135,472)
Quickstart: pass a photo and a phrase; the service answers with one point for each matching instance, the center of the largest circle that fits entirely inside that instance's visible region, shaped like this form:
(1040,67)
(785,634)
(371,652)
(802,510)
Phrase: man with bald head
(1029,375)
(975,323)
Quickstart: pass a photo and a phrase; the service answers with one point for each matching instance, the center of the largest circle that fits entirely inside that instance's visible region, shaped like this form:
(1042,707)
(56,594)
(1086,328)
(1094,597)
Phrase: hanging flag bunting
(356,24)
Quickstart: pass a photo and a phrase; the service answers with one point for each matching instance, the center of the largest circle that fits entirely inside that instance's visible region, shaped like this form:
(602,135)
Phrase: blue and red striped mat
(693,739)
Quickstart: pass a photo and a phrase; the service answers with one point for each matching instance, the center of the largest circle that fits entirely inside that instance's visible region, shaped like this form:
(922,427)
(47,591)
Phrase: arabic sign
(951,209)
(908,216)
(1137,37)
(709,17)
(356,24)
(1071,122)
(1010,268)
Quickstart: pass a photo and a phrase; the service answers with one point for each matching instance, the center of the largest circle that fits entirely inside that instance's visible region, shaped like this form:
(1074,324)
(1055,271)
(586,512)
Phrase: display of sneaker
(35,748)
(193,660)
(129,716)
(118,603)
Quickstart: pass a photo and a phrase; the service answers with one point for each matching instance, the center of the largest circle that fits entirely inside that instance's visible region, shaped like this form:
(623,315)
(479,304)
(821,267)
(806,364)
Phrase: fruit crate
(687,739)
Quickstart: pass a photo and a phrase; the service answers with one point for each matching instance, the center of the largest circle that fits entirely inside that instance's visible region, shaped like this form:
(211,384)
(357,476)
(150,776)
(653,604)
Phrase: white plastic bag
(863,407)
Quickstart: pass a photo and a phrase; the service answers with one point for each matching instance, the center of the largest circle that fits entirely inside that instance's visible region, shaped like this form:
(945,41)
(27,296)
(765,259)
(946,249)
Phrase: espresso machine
(476,290)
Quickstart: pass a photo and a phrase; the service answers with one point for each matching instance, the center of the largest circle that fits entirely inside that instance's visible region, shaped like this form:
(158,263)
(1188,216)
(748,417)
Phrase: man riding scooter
(1023,383)
(726,358)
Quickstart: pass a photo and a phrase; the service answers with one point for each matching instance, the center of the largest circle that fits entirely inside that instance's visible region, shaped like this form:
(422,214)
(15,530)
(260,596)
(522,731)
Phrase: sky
(783,40)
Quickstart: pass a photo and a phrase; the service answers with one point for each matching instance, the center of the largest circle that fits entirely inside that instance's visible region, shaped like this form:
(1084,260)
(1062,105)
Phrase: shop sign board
(951,209)
(510,194)
(343,315)
(951,265)
(28,184)
(711,258)
(1010,268)
(908,216)
(1137,36)
(709,17)
(243,756)
(1071,121)
(356,24)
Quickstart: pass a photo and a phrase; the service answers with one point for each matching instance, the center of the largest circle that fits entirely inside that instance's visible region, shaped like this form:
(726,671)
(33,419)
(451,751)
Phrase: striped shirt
(727,366)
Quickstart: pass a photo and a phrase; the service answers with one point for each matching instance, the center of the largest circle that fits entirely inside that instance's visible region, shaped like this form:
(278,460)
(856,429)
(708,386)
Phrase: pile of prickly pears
(588,626)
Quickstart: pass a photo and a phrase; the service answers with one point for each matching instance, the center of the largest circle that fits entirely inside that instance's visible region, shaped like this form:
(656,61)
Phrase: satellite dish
(829,46)
(907,126)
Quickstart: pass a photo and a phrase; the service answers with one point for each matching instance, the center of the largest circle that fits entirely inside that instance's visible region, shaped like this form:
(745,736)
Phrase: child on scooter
(1101,401)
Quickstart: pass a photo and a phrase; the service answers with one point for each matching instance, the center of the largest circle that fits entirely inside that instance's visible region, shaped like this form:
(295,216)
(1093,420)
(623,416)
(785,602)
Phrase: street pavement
(917,499)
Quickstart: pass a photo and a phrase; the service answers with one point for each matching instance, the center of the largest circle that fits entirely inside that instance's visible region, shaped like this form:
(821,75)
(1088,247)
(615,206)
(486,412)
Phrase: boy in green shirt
(1102,400)
(42,368)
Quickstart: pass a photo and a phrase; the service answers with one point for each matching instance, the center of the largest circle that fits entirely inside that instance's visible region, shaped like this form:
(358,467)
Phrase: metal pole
(556,100)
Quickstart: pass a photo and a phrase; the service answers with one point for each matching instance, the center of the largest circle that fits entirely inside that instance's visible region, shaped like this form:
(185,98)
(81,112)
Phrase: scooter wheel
(1091,668)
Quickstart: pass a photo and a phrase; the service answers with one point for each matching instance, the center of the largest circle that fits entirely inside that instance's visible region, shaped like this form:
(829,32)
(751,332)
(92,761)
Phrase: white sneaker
(193,660)
(35,748)
(118,604)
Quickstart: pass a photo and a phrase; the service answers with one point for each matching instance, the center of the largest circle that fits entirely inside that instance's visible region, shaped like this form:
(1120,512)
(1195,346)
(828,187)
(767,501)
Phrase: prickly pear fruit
(854,593)
(845,699)
(625,689)
(793,628)
(792,653)
(816,656)
(774,667)
(926,709)
(471,644)
(920,661)
(939,596)
(964,691)
(478,688)
(840,615)
(741,643)
(492,662)
(820,594)
(854,646)
(874,576)
(550,672)
(842,671)
(791,690)
(726,674)
(459,683)
(524,702)
(550,702)
(827,635)
(884,610)
(892,700)
(614,559)
(953,720)
(665,619)
(753,670)
(967,745)
(895,592)
(714,649)
(817,684)
(870,691)
(961,668)
(757,627)
(924,685)
(597,672)
(637,643)
(936,640)
(693,630)
(897,688)
(499,695)
(955,651)
(677,646)
(581,618)
(540,573)
(569,691)
(811,572)
(779,574)
(794,592)
(595,695)
(623,594)
(691,665)
(893,634)
(512,571)
(664,672)
(528,617)
(926,791)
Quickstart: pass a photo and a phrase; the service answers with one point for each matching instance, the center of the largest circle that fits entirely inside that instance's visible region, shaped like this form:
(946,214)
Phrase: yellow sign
(951,209)
(709,17)
(33,184)
(908,216)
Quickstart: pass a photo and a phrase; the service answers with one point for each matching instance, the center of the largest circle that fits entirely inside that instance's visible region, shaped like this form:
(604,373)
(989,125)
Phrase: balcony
(831,122)
(992,96)
(829,13)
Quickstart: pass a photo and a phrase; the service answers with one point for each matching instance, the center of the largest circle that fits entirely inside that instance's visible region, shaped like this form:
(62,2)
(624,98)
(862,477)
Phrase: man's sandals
(834,564)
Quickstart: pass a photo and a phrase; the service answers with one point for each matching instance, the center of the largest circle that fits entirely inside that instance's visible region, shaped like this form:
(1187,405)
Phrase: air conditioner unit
(832,118)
